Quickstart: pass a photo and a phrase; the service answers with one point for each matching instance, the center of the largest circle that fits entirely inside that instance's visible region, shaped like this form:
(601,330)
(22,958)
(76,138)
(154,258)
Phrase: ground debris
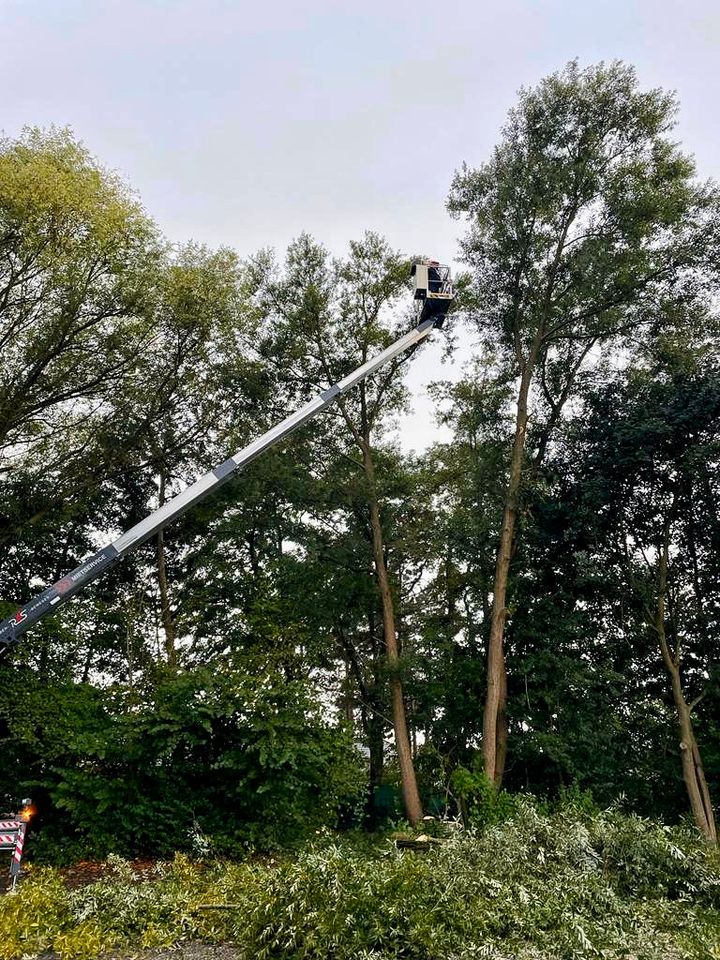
(90,871)
(181,951)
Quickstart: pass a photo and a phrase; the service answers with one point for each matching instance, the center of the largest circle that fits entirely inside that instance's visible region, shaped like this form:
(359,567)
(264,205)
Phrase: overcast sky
(244,123)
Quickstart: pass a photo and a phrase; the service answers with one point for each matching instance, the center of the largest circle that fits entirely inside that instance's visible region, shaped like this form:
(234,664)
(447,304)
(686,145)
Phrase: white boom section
(190,495)
(93,566)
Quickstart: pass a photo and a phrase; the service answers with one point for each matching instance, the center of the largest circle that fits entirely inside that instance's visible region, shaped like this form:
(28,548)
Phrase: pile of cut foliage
(566,884)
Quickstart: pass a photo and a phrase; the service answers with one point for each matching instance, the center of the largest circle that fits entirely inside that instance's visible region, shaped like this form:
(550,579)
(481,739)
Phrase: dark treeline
(348,633)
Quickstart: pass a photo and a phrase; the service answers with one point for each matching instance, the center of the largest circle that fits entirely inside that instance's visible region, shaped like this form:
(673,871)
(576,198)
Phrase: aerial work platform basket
(432,286)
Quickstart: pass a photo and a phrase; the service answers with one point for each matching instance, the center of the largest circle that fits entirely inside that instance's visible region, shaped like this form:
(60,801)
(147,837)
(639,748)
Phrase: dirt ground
(88,871)
(185,951)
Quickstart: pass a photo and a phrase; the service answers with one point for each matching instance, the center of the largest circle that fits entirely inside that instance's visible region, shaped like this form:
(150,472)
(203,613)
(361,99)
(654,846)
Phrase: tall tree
(77,260)
(650,458)
(332,317)
(584,220)
(198,306)
(462,486)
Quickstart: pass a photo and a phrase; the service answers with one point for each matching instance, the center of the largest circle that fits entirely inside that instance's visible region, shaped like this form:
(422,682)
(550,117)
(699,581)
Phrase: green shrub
(32,917)
(248,762)
(86,940)
(541,885)
(481,803)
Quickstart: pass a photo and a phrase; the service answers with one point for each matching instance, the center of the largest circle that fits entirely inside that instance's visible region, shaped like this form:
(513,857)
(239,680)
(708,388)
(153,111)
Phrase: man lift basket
(432,286)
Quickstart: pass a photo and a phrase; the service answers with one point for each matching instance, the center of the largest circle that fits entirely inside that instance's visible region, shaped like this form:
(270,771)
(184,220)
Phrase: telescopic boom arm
(53,597)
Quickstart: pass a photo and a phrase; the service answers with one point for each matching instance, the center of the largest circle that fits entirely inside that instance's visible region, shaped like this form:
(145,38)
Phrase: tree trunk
(494,742)
(375,717)
(165,612)
(376,746)
(347,697)
(413,809)
(89,655)
(692,767)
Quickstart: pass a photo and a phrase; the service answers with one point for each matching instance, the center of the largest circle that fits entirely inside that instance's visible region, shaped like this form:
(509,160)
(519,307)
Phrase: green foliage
(31,920)
(202,718)
(244,758)
(79,255)
(564,886)
(481,803)
(585,225)
(642,458)
(583,213)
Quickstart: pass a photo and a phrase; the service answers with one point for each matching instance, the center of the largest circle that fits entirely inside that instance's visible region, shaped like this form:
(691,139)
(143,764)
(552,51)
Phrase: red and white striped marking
(8,838)
(17,856)
(12,835)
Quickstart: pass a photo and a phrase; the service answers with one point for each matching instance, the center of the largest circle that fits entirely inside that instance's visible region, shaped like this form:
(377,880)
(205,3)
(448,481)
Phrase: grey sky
(245,123)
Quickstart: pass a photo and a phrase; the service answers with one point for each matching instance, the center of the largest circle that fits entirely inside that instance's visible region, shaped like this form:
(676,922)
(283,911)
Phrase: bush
(481,803)
(556,886)
(248,763)
(31,920)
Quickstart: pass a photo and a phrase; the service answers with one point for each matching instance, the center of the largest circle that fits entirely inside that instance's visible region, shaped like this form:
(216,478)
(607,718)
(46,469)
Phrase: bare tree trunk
(692,767)
(376,746)
(89,655)
(165,612)
(494,743)
(129,632)
(347,698)
(413,808)
(375,719)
